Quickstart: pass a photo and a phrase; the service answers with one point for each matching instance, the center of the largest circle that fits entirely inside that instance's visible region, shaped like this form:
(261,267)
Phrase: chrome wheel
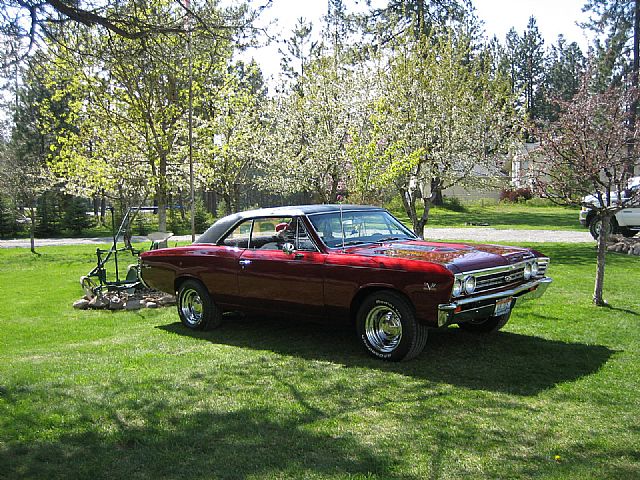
(191,307)
(383,328)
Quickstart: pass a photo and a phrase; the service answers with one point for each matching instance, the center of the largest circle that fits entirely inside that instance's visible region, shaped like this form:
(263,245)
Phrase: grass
(503,216)
(135,395)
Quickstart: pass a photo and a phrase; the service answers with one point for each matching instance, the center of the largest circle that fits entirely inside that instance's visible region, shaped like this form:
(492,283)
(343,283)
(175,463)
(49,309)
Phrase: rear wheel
(388,328)
(486,325)
(196,308)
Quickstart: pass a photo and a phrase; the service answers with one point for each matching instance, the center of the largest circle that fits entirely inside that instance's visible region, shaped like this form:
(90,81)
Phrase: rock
(116,303)
(152,305)
(82,304)
(636,249)
(133,304)
(99,302)
(167,300)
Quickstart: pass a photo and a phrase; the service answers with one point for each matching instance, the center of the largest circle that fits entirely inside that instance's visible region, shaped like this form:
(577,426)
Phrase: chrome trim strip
(505,268)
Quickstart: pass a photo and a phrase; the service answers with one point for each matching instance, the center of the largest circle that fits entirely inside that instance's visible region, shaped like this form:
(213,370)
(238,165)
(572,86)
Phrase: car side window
(239,236)
(303,241)
(270,233)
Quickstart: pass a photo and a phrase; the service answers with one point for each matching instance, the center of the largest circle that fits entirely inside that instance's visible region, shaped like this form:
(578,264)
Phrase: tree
(24,23)
(309,130)
(617,26)
(24,173)
(231,135)
(586,152)
(531,67)
(564,69)
(441,120)
(133,105)
(417,17)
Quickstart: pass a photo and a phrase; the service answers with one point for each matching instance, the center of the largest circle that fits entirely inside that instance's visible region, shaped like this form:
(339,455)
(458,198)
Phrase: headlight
(534,269)
(470,284)
(457,287)
(527,271)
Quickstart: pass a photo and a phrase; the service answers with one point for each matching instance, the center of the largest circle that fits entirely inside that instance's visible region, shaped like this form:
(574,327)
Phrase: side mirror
(288,248)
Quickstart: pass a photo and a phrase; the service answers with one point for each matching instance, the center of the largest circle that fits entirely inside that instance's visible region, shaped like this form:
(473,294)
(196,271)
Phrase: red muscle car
(347,262)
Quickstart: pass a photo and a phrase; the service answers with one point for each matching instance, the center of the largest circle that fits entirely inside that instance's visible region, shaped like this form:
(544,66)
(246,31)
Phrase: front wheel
(595,227)
(196,308)
(388,328)
(486,325)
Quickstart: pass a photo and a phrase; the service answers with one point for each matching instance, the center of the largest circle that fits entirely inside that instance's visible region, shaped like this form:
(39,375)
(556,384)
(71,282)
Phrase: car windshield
(359,227)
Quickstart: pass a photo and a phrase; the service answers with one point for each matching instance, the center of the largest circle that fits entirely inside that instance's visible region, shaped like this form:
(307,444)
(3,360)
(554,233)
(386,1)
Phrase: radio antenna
(342,227)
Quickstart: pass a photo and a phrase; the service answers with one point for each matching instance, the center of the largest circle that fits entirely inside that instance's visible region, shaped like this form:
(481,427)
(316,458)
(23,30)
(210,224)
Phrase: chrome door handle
(244,263)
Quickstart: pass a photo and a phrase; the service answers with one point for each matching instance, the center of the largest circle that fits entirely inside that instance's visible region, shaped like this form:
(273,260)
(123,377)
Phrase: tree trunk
(634,83)
(600,262)
(32,230)
(409,199)
(436,192)
(161,195)
(103,209)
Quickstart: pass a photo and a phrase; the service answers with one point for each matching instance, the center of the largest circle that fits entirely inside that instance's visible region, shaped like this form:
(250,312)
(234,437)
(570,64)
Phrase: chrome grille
(507,276)
(490,280)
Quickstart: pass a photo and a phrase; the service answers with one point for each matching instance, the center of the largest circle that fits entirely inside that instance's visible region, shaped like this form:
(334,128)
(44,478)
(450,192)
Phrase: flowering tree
(588,150)
(441,119)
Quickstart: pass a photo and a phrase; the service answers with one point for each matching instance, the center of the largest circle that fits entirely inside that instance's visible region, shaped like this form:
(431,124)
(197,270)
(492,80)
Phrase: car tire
(388,329)
(196,308)
(486,325)
(595,225)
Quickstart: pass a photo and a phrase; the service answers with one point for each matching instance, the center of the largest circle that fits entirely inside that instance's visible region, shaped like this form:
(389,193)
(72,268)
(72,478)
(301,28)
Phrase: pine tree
(531,68)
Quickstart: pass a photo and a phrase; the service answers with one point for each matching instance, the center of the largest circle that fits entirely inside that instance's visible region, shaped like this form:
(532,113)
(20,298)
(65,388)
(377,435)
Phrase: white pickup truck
(625,222)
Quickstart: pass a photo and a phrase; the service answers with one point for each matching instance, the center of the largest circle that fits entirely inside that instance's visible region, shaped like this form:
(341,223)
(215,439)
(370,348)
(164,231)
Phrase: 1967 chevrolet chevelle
(353,263)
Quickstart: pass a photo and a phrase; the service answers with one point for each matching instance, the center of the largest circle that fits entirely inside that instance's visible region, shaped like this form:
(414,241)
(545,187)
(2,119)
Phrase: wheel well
(177,283)
(365,292)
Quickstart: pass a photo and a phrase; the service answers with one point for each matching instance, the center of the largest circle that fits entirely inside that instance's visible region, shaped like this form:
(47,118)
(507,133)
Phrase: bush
(75,219)
(454,204)
(516,195)
(202,218)
(48,215)
(8,218)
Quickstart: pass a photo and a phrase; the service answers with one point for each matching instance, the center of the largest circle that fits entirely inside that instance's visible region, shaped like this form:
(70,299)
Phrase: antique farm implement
(97,280)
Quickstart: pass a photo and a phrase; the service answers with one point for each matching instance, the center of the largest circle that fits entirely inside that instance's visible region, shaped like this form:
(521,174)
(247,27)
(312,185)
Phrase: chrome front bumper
(482,306)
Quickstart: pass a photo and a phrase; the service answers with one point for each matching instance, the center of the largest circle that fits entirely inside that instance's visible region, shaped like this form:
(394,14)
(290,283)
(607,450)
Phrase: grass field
(502,216)
(87,394)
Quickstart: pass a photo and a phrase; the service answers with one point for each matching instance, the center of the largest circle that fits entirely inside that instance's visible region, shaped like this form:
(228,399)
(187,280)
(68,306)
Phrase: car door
(274,281)
(630,216)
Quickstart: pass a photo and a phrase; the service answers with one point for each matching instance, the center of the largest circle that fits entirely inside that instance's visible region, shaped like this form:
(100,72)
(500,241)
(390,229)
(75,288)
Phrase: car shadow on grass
(503,362)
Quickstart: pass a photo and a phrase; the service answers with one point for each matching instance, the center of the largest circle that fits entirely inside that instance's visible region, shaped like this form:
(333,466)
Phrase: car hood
(457,257)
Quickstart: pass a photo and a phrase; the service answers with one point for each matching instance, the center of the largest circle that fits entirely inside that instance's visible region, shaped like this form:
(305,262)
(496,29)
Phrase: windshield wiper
(386,239)
(353,242)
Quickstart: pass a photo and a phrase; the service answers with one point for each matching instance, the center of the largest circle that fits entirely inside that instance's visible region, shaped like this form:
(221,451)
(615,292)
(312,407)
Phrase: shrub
(516,195)
(75,219)
(454,204)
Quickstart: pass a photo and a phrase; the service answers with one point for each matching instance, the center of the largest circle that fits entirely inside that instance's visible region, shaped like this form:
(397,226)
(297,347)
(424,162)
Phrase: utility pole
(187,4)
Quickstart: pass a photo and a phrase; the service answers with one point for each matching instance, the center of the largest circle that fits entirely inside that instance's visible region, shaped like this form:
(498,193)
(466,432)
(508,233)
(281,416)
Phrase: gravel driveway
(478,234)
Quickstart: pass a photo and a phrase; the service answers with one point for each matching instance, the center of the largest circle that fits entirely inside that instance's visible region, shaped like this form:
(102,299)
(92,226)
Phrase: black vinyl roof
(222,226)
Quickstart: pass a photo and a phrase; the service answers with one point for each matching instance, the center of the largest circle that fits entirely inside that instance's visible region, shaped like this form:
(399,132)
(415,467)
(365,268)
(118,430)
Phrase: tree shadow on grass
(233,445)
(504,362)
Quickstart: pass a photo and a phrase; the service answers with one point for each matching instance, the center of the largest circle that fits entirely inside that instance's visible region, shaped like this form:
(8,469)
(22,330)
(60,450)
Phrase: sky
(553,17)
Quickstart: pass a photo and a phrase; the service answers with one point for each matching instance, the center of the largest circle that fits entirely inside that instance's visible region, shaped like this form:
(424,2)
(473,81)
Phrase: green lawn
(503,216)
(87,394)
